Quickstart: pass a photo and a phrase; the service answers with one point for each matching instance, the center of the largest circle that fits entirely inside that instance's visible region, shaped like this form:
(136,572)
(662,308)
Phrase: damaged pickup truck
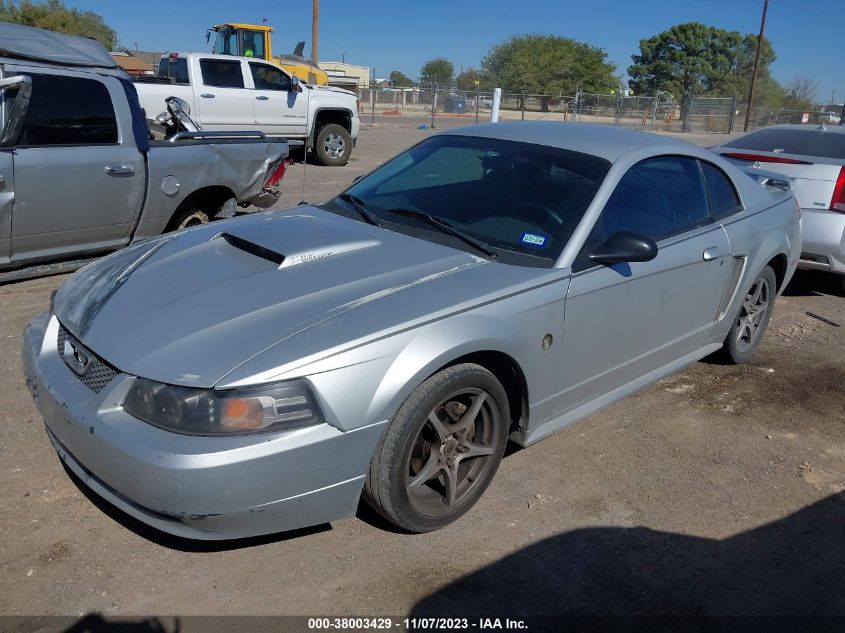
(79,173)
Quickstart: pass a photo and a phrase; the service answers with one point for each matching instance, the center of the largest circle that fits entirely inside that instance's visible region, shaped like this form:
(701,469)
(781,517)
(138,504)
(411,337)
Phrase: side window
(723,198)
(221,73)
(176,68)
(658,198)
(266,77)
(68,111)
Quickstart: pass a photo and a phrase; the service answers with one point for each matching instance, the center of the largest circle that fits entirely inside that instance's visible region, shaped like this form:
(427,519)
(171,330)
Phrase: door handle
(713,252)
(120,170)
(262,98)
(207,95)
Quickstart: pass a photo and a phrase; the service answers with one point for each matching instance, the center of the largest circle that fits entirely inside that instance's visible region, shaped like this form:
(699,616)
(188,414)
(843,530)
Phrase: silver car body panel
(364,315)
(98,211)
(823,230)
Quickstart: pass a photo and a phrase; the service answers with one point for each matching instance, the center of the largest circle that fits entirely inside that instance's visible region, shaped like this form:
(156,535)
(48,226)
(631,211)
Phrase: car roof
(605,141)
(803,127)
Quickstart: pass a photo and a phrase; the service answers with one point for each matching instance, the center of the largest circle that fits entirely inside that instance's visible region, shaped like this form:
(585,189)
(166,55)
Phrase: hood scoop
(252,248)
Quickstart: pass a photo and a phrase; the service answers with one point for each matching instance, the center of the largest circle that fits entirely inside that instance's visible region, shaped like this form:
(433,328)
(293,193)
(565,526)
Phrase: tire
(333,145)
(416,459)
(751,322)
(186,218)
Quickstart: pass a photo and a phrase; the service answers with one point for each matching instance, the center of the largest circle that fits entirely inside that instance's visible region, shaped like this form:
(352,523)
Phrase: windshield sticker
(532,239)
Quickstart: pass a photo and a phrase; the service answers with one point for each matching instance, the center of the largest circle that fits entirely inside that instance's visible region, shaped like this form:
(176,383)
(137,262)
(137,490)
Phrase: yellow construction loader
(253,40)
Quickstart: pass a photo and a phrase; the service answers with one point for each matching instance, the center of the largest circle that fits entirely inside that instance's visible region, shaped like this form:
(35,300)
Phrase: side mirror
(294,84)
(625,246)
(18,108)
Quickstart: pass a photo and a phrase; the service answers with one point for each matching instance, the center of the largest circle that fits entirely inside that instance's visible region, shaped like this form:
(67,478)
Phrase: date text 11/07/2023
(415,624)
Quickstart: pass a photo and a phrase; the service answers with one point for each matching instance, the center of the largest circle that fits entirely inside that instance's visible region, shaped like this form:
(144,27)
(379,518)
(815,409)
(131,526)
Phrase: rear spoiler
(769,179)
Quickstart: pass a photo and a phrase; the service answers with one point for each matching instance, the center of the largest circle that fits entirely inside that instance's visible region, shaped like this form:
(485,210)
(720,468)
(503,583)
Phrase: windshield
(809,142)
(517,198)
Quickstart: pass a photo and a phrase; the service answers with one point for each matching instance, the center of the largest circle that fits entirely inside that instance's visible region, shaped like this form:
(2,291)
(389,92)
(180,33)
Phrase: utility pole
(756,64)
(315,30)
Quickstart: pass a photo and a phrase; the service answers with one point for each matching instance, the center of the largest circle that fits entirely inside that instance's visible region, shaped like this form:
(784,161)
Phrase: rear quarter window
(724,200)
(174,68)
(809,142)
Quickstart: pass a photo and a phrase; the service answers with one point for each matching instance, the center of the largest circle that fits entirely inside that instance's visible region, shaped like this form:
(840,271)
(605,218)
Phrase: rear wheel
(441,450)
(333,145)
(753,318)
(186,218)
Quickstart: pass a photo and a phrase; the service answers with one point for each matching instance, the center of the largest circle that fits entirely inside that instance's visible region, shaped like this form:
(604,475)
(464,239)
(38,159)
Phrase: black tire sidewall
(333,128)
(402,432)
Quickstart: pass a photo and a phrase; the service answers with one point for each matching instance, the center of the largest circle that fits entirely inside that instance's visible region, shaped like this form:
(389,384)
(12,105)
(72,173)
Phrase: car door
(78,175)
(6,198)
(223,99)
(277,108)
(627,320)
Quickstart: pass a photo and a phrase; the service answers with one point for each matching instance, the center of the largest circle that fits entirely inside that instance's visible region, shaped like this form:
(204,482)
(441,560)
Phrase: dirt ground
(719,491)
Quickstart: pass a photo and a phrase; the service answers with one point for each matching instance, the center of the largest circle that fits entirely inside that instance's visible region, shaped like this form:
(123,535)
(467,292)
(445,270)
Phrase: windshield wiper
(447,228)
(358,206)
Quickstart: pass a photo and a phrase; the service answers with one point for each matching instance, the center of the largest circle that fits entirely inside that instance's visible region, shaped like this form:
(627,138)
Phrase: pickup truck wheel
(333,145)
(188,218)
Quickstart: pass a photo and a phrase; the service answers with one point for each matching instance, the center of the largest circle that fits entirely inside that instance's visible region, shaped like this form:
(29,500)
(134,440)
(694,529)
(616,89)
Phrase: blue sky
(397,34)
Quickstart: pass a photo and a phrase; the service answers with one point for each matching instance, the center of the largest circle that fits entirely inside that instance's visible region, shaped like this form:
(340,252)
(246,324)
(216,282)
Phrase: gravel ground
(720,491)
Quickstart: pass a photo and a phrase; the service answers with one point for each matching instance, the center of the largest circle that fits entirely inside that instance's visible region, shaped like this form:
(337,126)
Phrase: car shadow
(96,623)
(177,542)
(792,567)
(813,284)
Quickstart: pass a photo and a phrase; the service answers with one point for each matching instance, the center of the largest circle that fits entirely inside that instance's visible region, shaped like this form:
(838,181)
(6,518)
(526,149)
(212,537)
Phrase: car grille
(98,373)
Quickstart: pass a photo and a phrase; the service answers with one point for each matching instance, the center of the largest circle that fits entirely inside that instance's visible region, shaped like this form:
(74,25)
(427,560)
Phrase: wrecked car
(79,175)
(493,282)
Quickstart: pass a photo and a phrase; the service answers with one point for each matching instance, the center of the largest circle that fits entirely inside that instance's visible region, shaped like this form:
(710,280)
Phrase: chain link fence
(717,115)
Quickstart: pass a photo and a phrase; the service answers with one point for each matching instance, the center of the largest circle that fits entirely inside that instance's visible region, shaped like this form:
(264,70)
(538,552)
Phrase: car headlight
(190,411)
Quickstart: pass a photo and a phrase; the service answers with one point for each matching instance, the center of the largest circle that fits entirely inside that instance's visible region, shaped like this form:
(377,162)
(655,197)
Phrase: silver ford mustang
(492,282)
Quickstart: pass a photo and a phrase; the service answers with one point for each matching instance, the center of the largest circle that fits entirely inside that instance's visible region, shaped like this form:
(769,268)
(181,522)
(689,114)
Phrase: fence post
(686,112)
(733,114)
(477,97)
(404,99)
(494,109)
(372,104)
(523,106)
(433,104)
(618,107)
(654,110)
(577,108)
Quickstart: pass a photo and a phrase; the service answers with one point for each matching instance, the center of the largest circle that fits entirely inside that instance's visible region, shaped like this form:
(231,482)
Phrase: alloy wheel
(752,315)
(334,146)
(453,452)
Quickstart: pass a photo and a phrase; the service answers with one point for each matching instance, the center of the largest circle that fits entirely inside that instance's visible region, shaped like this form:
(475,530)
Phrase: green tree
(467,80)
(437,71)
(695,59)
(549,64)
(398,79)
(53,15)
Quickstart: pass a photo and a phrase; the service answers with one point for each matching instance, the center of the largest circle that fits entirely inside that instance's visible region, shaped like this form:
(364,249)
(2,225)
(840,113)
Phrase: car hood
(190,307)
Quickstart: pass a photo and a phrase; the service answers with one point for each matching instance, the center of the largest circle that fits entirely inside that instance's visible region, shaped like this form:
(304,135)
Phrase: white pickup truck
(243,93)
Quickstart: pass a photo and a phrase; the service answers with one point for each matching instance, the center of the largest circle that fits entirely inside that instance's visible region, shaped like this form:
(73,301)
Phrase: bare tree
(802,89)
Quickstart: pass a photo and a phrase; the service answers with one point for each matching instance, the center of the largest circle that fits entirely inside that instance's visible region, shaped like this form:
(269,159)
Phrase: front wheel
(753,318)
(186,218)
(441,450)
(333,145)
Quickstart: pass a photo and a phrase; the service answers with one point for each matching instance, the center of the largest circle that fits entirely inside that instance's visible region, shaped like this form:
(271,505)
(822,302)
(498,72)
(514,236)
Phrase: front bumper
(823,235)
(195,487)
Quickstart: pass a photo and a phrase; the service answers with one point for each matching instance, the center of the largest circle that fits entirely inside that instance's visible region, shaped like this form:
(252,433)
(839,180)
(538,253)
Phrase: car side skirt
(528,437)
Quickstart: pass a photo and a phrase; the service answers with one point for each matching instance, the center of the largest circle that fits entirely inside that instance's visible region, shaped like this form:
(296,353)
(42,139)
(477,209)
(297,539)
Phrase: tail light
(278,173)
(763,158)
(837,201)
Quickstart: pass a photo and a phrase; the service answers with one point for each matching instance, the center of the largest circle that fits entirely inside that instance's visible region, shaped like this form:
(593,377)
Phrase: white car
(243,93)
